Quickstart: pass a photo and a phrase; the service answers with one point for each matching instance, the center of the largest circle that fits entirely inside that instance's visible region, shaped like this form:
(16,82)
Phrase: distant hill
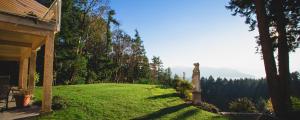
(215,72)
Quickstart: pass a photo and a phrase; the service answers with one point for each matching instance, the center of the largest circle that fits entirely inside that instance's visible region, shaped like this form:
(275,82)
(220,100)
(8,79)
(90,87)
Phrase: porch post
(23,72)
(48,74)
(32,69)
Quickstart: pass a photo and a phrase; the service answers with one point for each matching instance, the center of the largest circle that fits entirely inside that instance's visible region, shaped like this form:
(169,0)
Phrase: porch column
(23,72)
(48,74)
(32,69)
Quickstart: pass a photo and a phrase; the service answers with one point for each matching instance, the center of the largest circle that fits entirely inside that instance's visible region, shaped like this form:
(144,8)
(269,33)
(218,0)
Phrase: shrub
(92,77)
(295,103)
(188,95)
(36,77)
(269,106)
(242,105)
(209,107)
(58,103)
(261,105)
(143,81)
(184,88)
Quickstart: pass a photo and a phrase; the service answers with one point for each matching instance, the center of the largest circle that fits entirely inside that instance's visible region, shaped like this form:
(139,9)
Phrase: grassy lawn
(123,101)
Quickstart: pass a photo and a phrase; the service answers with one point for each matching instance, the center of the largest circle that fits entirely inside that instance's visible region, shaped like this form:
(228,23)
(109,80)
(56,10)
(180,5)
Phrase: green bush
(58,103)
(269,106)
(92,77)
(209,107)
(242,105)
(143,81)
(184,88)
(36,77)
(295,103)
(261,105)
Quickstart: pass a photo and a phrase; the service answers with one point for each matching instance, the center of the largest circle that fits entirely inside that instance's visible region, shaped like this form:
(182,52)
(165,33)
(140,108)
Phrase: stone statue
(196,85)
(196,78)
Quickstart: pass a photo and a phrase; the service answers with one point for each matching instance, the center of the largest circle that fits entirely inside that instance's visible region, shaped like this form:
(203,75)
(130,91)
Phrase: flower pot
(26,100)
(22,100)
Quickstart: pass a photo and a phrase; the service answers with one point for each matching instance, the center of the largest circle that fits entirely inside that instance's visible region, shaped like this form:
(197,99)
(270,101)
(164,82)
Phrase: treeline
(91,48)
(222,91)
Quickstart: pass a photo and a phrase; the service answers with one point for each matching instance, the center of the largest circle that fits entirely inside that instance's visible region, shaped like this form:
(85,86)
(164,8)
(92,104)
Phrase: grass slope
(123,101)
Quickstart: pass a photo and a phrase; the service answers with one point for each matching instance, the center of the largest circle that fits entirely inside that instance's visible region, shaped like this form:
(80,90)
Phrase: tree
(156,68)
(110,19)
(140,64)
(121,54)
(168,76)
(278,23)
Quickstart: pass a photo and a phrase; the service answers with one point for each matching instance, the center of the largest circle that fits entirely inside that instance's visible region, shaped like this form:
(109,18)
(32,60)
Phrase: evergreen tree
(139,60)
(156,69)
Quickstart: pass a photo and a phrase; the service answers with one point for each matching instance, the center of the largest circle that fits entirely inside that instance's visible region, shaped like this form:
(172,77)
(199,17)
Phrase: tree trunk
(268,55)
(283,61)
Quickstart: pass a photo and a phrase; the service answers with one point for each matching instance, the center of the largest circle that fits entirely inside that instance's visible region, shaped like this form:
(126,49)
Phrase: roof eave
(27,21)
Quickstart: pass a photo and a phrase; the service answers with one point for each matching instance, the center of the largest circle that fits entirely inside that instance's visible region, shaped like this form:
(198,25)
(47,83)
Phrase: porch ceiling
(20,39)
(13,53)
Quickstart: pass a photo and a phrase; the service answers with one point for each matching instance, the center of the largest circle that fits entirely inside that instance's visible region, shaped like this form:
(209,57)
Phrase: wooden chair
(4,92)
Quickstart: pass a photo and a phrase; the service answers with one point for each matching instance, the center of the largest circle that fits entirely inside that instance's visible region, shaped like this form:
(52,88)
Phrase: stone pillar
(32,69)
(48,74)
(196,85)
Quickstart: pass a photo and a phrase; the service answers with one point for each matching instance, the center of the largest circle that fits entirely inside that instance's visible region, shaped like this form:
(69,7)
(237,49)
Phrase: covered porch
(25,26)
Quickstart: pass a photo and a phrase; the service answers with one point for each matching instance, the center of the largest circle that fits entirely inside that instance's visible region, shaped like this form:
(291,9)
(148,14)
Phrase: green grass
(123,101)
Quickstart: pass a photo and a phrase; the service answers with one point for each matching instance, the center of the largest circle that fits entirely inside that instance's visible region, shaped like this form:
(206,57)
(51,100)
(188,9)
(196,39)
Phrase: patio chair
(4,94)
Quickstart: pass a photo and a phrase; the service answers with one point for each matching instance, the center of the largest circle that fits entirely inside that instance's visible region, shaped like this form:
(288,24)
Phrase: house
(25,26)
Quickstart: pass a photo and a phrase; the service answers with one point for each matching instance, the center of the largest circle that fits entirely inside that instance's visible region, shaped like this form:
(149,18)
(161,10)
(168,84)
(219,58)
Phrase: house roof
(27,8)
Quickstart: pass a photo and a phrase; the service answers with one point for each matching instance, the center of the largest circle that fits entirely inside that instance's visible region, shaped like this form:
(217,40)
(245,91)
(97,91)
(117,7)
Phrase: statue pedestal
(197,98)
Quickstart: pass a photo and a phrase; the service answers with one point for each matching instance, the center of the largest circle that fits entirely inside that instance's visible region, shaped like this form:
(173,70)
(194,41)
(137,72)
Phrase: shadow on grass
(163,96)
(186,114)
(162,112)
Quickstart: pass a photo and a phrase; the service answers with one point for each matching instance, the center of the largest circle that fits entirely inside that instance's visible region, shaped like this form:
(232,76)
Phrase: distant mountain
(215,72)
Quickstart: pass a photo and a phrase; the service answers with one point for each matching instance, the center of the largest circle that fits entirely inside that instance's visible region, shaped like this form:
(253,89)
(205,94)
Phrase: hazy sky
(182,32)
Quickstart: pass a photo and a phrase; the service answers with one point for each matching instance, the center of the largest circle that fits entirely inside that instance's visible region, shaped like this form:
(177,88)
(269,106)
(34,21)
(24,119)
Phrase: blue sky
(182,32)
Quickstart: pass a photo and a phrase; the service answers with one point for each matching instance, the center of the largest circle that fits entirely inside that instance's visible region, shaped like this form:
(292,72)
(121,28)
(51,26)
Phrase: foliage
(295,103)
(222,91)
(261,105)
(242,105)
(143,81)
(59,103)
(123,101)
(90,48)
(269,106)
(157,68)
(246,8)
(209,107)
(129,57)
(184,88)
(36,77)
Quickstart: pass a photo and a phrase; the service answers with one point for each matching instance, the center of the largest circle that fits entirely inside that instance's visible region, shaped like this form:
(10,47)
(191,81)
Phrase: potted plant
(22,98)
